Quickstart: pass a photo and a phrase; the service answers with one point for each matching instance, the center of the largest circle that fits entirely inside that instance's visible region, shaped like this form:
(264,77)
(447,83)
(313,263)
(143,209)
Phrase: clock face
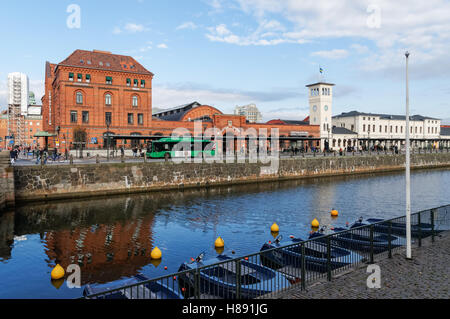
(326,107)
(315,108)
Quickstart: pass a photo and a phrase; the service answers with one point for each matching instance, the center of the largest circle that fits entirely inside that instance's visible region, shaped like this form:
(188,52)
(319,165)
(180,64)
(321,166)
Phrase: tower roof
(104,60)
(324,83)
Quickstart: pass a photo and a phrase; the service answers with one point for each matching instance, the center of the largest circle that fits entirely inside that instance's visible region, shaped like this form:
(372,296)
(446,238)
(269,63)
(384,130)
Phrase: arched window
(135,101)
(108,99)
(79,98)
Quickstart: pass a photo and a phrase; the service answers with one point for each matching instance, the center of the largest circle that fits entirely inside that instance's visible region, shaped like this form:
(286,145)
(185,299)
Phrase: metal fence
(280,266)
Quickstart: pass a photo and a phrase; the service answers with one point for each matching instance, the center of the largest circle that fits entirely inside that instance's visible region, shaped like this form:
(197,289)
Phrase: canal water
(111,238)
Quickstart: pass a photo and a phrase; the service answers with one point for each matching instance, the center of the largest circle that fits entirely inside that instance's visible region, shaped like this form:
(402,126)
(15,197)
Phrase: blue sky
(228,53)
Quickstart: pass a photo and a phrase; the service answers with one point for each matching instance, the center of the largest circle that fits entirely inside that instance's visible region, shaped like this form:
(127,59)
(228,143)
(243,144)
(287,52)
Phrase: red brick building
(90,88)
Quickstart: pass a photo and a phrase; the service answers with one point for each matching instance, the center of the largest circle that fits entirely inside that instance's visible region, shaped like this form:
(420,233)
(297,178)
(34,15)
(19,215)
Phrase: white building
(389,130)
(364,130)
(250,111)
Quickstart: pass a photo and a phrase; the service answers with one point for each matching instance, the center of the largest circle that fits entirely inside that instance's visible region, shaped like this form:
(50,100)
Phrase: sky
(236,52)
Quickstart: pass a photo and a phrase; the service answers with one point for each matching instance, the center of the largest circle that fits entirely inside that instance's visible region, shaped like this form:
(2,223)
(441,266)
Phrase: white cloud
(169,95)
(133,27)
(130,28)
(421,27)
(267,33)
(331,54)
(187,25)
(162,46)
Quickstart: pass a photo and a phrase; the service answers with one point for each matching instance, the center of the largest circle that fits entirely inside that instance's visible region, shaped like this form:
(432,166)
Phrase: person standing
(12,156)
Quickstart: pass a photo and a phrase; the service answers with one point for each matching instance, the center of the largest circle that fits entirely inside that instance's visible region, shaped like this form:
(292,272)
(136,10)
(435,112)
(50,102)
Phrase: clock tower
(320,97)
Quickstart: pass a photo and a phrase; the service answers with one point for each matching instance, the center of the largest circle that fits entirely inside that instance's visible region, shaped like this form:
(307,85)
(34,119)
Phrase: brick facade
(102,82)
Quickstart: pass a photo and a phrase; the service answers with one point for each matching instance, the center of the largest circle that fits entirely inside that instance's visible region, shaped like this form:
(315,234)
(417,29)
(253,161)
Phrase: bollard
(238,279)
(328,258)
(432,224)
(197,283)
(97,159)
(122,158)
(71,159)
(371,244)
(420,229)
(303,279)
(389,241)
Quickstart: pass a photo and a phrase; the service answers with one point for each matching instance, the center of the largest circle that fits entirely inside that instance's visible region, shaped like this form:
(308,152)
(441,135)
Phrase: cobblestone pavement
(427,275)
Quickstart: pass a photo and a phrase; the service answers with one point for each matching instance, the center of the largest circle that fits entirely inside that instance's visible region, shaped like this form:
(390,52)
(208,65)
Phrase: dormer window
(81,61)
(100,63)
(89,62)
(107,64)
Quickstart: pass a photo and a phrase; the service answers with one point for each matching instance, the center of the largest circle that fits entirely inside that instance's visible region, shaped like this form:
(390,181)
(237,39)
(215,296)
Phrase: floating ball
(57,272)
(274,228)
(219,242)
(315,223)
(156,253)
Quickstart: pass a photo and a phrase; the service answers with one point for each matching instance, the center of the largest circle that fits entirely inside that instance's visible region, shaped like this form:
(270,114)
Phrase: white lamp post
(408,173)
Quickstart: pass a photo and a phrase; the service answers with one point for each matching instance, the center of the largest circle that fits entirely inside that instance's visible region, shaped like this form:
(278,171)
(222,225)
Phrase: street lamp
(408,170)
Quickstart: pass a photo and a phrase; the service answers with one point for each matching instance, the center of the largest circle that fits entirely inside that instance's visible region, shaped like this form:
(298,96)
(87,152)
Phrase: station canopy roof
(44,134)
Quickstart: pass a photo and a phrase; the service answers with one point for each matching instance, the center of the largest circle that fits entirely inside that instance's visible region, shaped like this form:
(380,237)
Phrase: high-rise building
(18,91)
(250,111)
(18,85)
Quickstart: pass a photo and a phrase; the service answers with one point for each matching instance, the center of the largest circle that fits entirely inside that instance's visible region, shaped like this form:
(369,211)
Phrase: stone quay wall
(76,181)
(7,196)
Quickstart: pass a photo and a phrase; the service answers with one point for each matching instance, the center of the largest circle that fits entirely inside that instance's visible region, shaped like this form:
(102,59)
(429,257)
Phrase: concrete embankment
(77,181)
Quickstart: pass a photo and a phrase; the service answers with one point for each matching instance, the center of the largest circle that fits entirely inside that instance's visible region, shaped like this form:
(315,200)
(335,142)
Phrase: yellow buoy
(334,213)
(315,223)
(275,228)
(219,242)
(274,234)
(57,272)
(156,253)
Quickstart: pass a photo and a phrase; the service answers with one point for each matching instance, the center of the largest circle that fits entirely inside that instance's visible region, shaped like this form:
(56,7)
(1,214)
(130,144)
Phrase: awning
(44,134)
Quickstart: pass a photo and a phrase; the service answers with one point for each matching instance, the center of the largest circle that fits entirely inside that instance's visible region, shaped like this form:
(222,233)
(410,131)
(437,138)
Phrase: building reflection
(6,235)
(109,238)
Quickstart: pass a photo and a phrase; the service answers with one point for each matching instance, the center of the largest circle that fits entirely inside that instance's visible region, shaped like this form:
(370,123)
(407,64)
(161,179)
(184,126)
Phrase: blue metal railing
(278,268)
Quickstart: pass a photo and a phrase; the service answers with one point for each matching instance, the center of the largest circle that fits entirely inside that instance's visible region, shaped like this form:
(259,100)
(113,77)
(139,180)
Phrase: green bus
(164,147)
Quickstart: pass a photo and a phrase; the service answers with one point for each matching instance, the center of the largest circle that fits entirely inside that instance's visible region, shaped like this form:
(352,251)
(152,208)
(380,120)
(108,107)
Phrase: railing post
(197,283)
(371,244)
(432,224)
(329,258)
(303,279)
(238,279)
(389,241)
(420,229)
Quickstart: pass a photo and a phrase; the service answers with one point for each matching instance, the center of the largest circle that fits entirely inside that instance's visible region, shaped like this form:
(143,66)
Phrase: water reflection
(111,238)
